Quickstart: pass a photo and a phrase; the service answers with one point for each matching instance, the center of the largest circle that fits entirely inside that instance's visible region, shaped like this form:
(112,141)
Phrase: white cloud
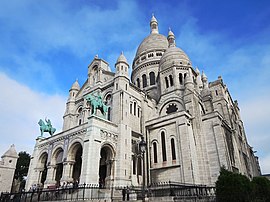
(20,110)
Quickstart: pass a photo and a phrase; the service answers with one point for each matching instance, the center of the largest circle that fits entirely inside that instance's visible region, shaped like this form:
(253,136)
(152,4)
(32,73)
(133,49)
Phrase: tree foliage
(235,187)
(260,189)
(22,165)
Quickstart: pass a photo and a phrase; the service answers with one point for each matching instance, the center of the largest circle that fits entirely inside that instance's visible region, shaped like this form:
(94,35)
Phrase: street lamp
(142,147)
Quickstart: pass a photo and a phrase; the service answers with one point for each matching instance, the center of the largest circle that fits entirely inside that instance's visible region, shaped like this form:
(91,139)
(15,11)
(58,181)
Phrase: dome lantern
(154,25)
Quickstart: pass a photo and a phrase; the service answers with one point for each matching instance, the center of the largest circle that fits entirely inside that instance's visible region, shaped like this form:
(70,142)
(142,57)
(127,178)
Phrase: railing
(174,190)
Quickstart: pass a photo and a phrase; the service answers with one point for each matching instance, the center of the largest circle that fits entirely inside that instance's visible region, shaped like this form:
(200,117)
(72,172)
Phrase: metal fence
(176,191)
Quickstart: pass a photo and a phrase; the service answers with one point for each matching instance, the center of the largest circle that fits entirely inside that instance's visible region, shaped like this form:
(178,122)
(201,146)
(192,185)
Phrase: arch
(166,82)
(152,78)
(175,100)
(144,81)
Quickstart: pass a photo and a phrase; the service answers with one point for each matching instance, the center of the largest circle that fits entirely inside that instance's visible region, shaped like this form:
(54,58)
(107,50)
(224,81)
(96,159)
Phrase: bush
(233,187)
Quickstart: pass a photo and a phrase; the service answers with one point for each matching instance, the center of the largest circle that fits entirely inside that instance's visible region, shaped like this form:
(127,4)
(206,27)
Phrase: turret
(189,84)
(122,66)
(70,106)
(74,90)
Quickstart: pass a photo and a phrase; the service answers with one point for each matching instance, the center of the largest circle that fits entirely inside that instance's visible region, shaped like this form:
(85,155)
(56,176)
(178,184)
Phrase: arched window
(166,82)
(181,78)
(134,165)
(80,116)
(135,106)
(171,80)
(163,146)
(139,166)
(144,81)
(173,149)
(152,78)
(138,83)
(155,152)
(109,113)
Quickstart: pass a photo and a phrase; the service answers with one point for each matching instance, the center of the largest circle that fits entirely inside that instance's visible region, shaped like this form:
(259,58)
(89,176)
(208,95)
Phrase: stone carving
(107,135)
(46,127)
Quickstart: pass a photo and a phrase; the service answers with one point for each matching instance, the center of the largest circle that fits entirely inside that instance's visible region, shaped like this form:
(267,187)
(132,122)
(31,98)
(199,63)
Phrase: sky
(46,45)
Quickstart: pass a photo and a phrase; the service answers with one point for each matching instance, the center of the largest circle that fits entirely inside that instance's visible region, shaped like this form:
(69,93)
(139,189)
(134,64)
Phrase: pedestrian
(127,193)
(124,194)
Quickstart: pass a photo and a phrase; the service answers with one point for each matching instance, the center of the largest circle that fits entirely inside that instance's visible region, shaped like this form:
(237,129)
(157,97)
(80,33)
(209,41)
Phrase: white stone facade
(7,169)
(192,127)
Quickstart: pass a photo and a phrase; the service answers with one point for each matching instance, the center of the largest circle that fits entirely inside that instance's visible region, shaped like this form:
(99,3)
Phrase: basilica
(191,127)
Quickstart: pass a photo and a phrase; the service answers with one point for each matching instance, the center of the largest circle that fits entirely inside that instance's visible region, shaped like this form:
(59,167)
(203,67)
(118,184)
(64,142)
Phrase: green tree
(232,187)
(22,167)
(260,189)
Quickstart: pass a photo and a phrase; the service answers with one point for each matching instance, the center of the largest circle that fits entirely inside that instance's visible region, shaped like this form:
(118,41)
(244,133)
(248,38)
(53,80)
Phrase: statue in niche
(46,127)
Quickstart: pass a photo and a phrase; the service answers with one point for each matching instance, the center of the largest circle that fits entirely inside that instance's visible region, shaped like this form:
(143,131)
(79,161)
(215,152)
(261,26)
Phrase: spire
(171,38)
(154,25)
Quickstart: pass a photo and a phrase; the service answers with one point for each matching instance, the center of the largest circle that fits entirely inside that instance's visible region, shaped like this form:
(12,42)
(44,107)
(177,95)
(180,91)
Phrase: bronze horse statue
(46,127)
(97,103)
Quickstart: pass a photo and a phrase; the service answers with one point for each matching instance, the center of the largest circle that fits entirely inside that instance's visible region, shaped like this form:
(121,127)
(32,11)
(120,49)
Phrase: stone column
(50,180)
(39,170)
(67,171)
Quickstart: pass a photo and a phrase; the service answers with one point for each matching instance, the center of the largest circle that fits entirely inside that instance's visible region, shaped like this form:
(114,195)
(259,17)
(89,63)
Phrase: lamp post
(142,147)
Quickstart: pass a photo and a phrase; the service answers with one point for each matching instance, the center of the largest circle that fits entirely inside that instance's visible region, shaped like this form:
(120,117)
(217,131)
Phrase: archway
(43,165)
(78,162)
(59,165)
(105,166)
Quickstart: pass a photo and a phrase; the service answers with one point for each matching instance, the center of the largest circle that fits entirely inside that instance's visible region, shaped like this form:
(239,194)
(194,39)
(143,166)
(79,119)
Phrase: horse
(45,128)
(97,103)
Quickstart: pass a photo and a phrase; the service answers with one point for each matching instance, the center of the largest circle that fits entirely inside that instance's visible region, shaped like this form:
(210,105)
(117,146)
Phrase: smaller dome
(75,85)
(11,152)
(121,58)
(174,55)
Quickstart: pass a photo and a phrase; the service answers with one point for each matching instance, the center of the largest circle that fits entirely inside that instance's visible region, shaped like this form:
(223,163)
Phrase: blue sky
(46,45)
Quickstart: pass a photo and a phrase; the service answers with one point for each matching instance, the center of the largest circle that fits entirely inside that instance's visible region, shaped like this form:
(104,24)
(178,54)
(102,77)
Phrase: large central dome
(152,42)
(151,48)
